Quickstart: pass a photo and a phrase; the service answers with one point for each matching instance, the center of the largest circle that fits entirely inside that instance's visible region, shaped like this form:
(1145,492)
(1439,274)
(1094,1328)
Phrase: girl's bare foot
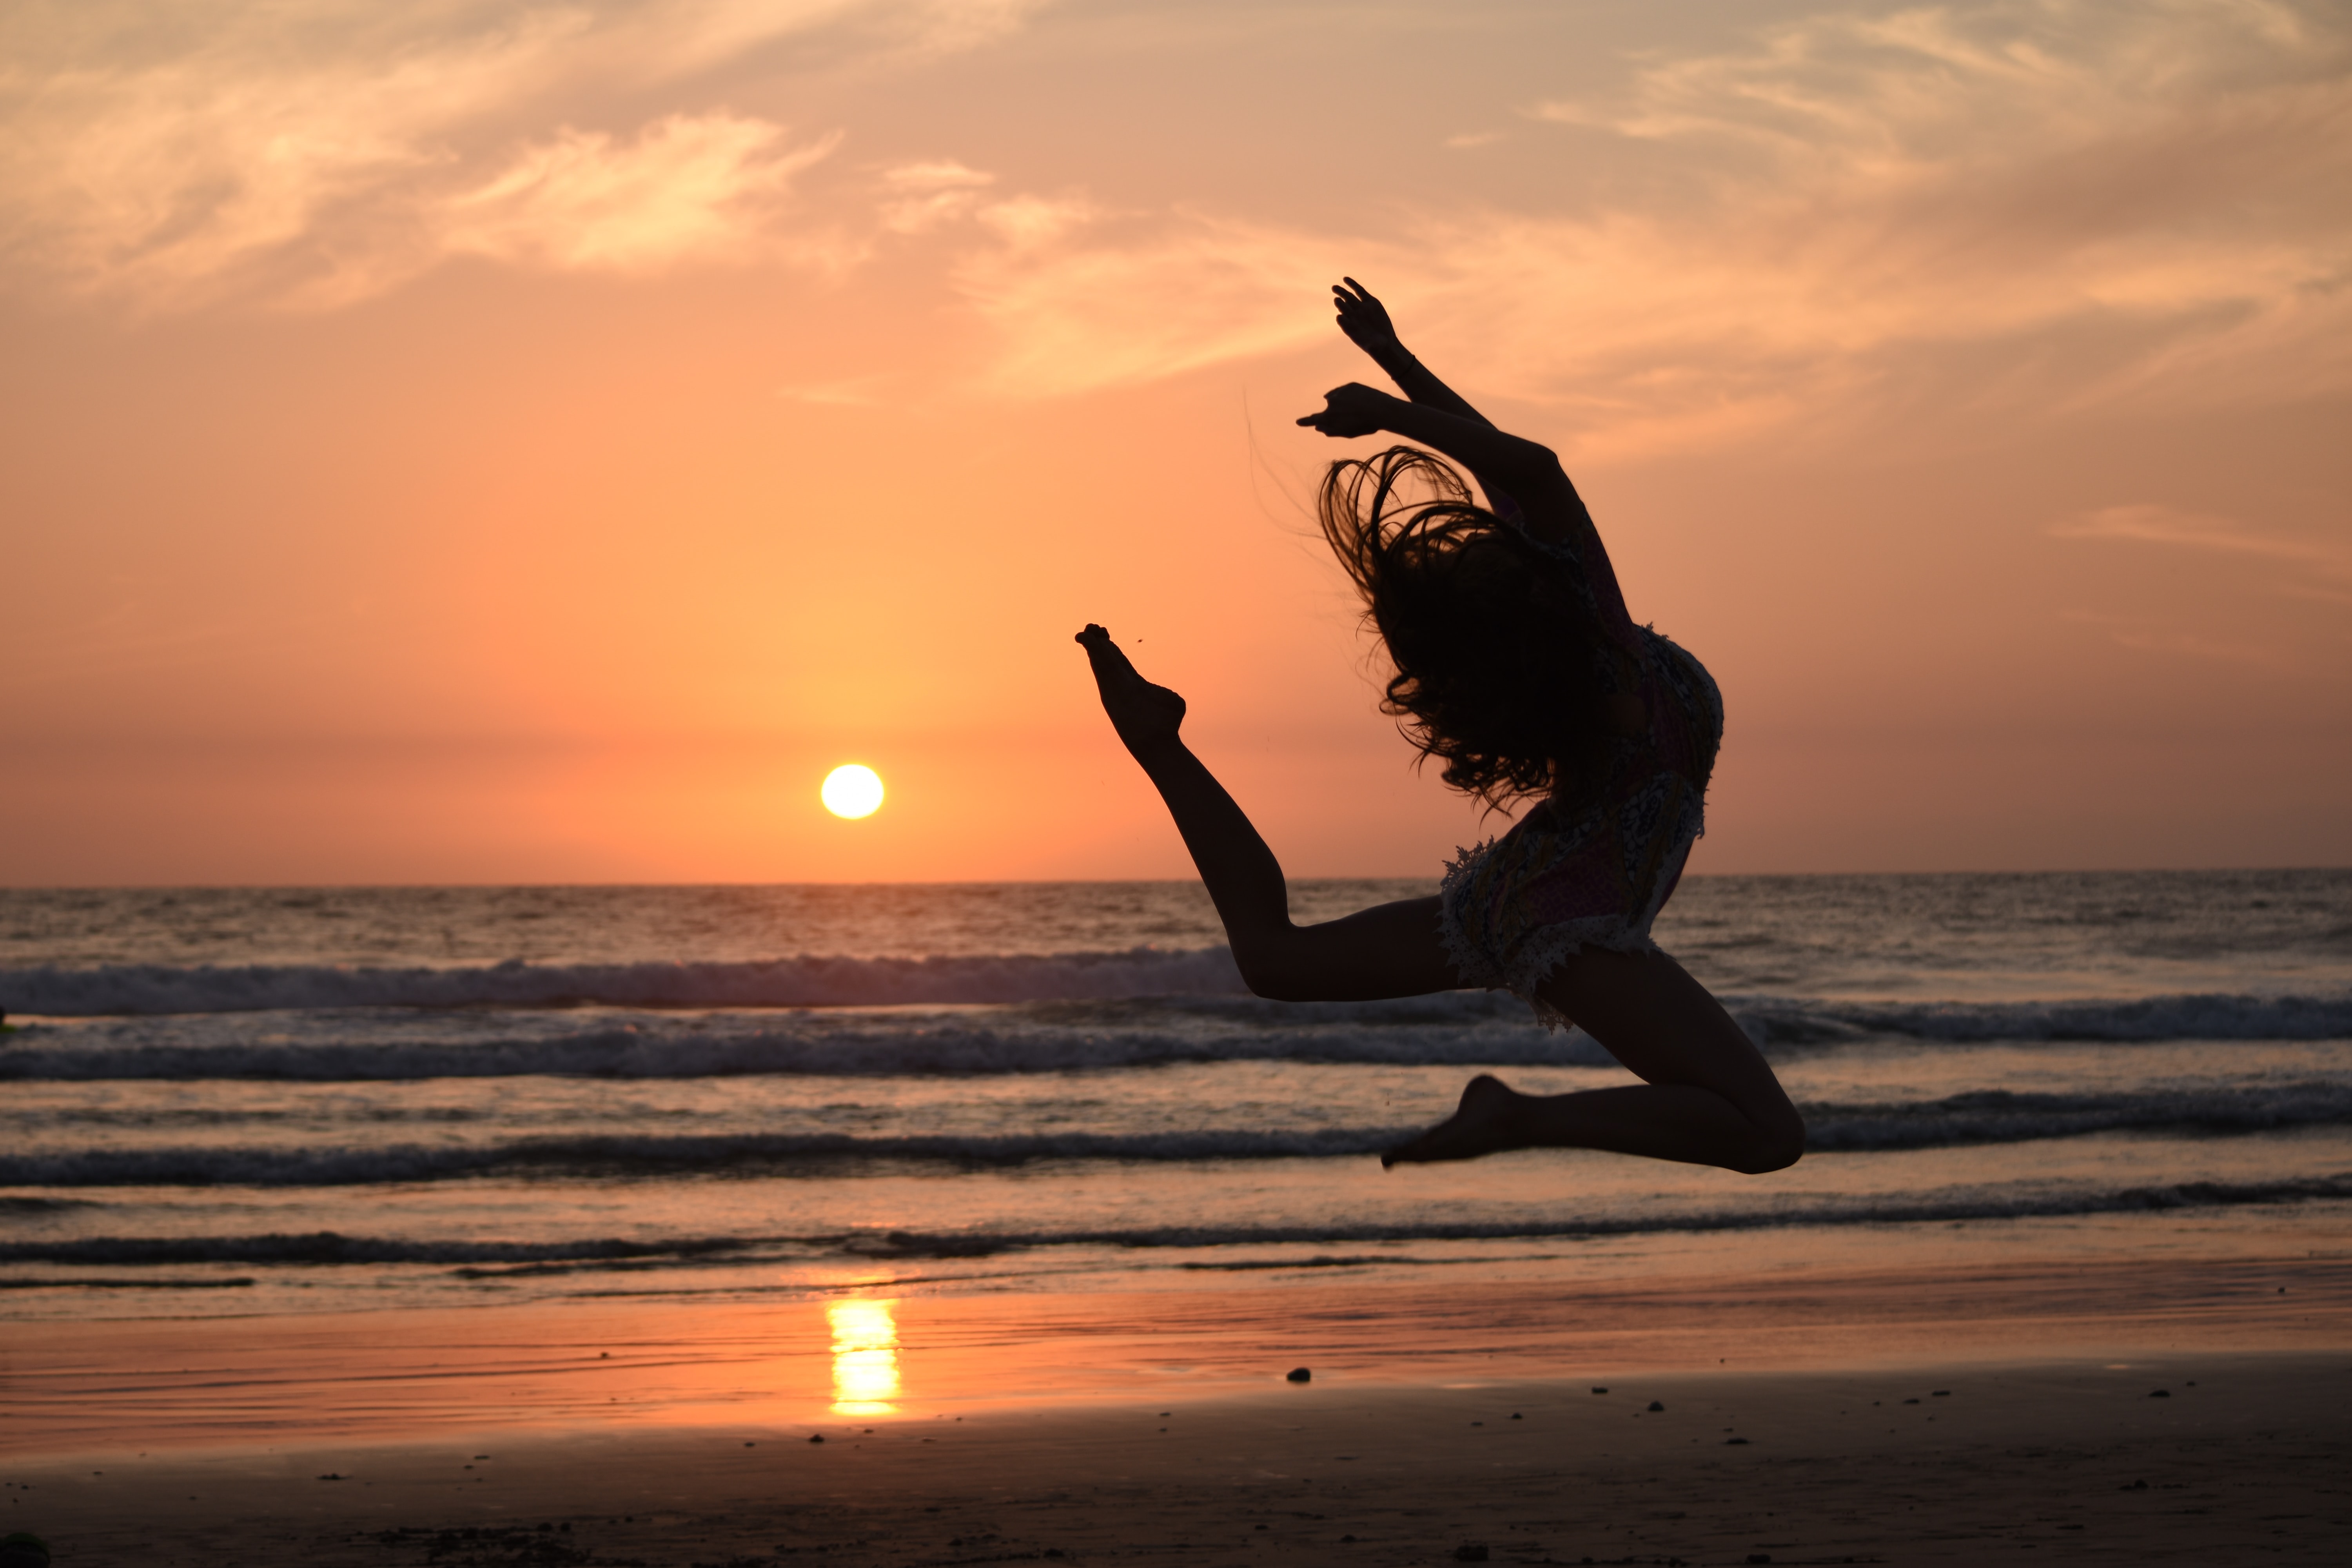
(1478,1126)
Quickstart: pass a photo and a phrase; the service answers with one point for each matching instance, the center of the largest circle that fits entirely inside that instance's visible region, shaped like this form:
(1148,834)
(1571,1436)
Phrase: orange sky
(487,443)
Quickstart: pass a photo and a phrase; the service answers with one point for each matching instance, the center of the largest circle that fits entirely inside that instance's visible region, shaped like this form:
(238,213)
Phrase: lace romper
(1513,909)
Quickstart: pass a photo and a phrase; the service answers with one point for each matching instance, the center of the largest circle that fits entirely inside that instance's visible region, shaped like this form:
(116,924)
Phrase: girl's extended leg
(1710,1099)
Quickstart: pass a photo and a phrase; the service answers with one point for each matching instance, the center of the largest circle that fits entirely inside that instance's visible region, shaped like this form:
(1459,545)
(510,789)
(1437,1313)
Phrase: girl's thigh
(1665,1026)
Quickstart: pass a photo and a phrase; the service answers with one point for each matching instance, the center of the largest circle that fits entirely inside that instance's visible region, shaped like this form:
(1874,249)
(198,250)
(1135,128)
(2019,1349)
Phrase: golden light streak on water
(865,1357)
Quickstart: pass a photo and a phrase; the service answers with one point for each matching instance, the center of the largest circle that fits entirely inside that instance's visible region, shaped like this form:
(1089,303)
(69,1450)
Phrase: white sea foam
(2208,1016)
(1947,1206)
(806,982)
(1455,1028)
(1978,1117)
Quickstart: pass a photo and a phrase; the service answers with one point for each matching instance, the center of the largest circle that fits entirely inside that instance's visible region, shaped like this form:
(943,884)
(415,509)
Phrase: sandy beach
(1852,1417)
(2059,1461)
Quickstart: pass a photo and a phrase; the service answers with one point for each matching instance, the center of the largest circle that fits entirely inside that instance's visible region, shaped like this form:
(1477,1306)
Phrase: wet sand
(2052,1463)
(1864,1419)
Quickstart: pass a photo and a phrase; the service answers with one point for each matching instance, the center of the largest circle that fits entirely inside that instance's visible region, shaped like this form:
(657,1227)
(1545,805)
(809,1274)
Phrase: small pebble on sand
(1300,1374)
(1655,1407)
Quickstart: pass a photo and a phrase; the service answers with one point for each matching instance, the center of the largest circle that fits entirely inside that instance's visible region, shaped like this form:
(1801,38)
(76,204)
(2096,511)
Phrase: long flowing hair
(1495,658)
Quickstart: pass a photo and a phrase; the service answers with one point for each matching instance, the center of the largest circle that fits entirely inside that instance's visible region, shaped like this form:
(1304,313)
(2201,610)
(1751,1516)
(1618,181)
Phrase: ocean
(272,1100)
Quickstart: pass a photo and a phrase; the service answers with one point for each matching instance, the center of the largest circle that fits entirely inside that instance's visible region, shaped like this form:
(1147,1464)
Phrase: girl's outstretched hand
(1146,716)
(1365,320)
(1354,409)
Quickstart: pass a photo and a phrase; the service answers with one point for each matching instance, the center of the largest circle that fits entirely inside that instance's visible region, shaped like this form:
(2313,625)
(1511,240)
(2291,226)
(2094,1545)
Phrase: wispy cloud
(2192,643)
(2316,570)
(318,148)
(920,196)
(1094,311)
(686,186)
(2128,203)
(2163,525)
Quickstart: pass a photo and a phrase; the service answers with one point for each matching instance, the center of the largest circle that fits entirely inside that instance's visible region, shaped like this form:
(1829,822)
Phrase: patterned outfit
(1569,876)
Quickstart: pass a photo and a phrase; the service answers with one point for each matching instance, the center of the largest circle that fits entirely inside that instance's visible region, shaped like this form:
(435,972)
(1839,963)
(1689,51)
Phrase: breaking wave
(777,982)
(1063,1035)
(329,1247)
(1981,1117)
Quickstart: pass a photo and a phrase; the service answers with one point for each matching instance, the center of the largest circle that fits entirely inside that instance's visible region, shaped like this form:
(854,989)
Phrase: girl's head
(1495,662)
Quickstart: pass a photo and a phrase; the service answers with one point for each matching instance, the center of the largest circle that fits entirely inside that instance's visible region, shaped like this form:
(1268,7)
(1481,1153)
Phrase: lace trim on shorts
(1496,942)
(1512,910)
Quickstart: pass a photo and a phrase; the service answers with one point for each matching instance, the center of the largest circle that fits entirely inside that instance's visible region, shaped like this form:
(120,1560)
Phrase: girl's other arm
(1530,472)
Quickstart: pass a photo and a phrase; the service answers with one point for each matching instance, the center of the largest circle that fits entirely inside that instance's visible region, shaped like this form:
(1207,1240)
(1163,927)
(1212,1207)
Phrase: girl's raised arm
(1366,322)
(1523,480)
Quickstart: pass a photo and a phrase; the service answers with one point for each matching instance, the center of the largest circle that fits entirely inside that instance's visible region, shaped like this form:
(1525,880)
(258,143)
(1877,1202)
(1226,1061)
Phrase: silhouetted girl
(1518,668)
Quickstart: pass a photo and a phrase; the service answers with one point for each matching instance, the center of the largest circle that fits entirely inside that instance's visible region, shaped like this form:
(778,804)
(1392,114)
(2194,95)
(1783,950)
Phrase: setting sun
(853,790)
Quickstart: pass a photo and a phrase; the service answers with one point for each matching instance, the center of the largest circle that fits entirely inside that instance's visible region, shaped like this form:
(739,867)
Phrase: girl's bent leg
(1709,1097)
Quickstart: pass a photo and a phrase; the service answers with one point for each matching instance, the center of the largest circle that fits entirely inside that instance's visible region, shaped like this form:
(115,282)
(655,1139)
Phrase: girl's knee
(1778,1144)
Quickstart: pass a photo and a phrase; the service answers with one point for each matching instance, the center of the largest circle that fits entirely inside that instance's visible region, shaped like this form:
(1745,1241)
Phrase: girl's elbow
(1272,972)
(1535,461)
(1276,982)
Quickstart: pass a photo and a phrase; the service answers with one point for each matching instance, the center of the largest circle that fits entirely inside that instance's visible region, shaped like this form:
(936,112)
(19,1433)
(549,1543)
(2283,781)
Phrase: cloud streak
(688,186)
(2198,531)
(322,149)
(2125,204)
(2026,205)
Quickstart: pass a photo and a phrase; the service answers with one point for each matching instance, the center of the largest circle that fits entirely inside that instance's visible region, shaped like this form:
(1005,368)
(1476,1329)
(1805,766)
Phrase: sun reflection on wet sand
(865,1357)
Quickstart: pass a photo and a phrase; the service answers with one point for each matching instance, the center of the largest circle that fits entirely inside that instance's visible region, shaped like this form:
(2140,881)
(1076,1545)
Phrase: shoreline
(1805,1416)
(1931,1462)
(163,1383)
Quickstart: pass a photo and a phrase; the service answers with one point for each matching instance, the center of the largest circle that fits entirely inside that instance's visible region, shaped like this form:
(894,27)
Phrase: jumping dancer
(1518,668)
